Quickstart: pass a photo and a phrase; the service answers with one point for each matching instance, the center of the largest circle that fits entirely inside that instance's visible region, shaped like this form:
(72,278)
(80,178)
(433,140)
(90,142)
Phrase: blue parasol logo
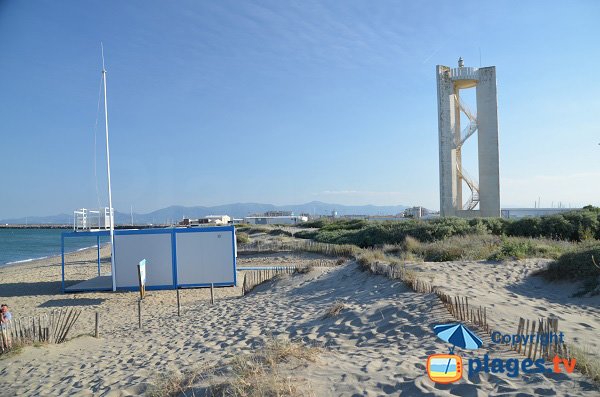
(458,335)
(442,371)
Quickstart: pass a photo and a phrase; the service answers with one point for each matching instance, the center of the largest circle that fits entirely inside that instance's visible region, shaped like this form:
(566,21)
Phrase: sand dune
(377,345)
(510,291)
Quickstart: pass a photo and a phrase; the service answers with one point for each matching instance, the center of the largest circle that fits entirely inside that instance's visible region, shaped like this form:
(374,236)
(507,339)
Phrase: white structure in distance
(209,220)
(84,219)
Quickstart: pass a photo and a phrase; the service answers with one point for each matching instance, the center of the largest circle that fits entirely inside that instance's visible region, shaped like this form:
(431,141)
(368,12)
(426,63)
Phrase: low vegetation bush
(577,225)
(315,223)
(478,247)
(580,264)
(242,238)
(519,248)
(470,247)
(280,232)
(306,234)
(258,229)
(367,257)
(345,224)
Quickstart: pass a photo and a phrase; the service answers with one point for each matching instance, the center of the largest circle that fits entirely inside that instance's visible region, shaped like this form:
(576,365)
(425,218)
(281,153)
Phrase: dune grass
(174,384)
(259,374)
(242,238)
(335,310)
(587,363)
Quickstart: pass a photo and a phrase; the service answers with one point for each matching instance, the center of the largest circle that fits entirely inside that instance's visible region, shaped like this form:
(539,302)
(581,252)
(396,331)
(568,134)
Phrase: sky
(286,102)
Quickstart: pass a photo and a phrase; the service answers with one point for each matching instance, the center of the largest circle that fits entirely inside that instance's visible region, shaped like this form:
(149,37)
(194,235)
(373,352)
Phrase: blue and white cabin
(175,258)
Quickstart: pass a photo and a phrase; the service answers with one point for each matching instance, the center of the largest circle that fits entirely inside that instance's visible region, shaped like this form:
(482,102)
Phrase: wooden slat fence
(50,327)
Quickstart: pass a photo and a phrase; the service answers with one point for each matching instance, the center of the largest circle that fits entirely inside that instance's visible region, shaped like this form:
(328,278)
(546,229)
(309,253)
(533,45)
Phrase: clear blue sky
(287,101)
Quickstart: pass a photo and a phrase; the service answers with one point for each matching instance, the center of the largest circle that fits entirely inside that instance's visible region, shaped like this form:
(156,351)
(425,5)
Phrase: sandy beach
(377,345)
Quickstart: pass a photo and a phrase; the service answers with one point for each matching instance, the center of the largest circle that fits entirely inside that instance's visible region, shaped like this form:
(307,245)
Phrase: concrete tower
(484,199)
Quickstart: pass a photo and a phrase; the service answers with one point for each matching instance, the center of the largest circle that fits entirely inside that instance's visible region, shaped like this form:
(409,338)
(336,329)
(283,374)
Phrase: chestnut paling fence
(50,327)
(542,329)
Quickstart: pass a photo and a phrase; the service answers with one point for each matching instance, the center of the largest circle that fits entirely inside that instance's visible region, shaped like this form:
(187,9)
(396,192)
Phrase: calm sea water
(17,245)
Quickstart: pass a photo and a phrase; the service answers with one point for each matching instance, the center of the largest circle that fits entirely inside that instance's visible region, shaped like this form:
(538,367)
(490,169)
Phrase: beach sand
(509,291)
(377,345)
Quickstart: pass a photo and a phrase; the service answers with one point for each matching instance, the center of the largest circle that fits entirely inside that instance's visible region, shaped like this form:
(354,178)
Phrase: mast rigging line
(95,143)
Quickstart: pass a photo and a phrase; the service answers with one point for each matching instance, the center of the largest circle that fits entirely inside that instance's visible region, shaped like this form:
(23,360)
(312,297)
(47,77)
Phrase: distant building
(209,220)
(277,213)
(415,212)
(516,213)
(275,220)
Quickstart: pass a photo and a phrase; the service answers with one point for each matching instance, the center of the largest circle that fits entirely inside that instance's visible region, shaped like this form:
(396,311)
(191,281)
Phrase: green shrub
(576,225)
(519,248)
(524,227)
(579,225)
(494,226)
(577,264)
(478,247)
(280,232)
(307,234)
(318,223)
(345,224)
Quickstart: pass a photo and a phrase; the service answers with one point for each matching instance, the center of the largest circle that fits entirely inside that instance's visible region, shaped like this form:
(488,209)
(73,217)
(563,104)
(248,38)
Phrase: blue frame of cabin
(173,232)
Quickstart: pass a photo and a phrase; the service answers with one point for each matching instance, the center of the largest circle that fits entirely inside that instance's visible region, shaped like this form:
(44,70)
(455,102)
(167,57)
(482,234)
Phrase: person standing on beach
(6,316)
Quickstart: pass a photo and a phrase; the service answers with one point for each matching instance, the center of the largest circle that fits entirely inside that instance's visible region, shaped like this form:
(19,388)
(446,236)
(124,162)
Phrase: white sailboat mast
(110,207)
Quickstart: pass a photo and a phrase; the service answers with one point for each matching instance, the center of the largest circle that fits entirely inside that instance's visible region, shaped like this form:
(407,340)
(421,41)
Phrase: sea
(24,245)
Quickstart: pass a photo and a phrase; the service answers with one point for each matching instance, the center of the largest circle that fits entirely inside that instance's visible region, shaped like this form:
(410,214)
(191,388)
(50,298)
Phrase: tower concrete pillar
(487,136)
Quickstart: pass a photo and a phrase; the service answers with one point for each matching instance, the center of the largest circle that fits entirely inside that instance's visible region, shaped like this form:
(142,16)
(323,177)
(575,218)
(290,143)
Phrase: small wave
(85,248)
(26,260)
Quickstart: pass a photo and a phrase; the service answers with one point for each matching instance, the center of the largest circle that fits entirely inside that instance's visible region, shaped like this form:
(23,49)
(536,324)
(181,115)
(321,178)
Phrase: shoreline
(50,257)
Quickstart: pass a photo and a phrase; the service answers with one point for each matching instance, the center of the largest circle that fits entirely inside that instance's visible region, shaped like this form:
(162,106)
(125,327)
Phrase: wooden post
(531,342)
(178,305)
(555,326)
(485,319)
(212,294)
(140,313)
(537,340)
(96,334)
(518,333)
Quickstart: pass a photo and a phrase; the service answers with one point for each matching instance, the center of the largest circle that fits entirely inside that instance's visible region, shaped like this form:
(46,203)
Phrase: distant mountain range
(238,210)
